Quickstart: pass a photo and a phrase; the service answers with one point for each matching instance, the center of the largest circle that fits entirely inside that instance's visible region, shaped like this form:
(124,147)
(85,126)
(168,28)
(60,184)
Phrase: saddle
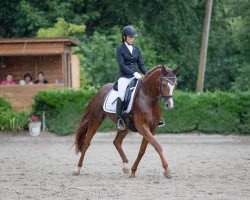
(110,103)
(131,87)
(128,119)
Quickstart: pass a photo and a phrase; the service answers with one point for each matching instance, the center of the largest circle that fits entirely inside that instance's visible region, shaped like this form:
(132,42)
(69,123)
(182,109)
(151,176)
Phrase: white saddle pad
(111,99)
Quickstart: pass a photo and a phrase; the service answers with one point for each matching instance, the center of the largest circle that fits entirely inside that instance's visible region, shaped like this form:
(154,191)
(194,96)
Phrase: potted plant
(34,125)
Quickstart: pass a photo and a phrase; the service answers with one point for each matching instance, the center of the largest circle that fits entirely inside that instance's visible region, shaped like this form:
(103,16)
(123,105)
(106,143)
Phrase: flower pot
(35,128)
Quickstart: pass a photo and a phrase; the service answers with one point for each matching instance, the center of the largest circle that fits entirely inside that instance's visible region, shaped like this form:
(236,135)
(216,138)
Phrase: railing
(21,96)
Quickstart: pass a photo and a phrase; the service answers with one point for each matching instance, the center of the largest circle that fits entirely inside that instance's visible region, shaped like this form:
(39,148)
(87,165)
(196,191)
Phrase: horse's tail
(83,128)
(93,116)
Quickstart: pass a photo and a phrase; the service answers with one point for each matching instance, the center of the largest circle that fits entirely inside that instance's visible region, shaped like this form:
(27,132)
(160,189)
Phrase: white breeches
(122,86)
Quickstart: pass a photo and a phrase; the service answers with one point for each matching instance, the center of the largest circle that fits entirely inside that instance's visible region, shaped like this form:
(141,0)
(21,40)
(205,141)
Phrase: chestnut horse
(158,83)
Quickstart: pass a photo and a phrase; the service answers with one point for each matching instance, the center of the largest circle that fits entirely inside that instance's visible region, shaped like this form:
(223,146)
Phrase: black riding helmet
(129,31)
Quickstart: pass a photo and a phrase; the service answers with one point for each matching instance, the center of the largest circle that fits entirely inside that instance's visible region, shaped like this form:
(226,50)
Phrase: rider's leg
(119,121)
(122,86)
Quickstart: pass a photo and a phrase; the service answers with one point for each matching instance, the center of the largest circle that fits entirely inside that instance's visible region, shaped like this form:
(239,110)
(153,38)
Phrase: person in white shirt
(130,62)
(27,80)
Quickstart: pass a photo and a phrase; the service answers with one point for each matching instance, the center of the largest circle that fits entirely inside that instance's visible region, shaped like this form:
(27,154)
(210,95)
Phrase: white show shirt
(129,46)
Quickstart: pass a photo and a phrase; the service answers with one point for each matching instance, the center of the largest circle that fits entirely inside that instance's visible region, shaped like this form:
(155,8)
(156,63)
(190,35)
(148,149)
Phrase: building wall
(21,96)
(17,66)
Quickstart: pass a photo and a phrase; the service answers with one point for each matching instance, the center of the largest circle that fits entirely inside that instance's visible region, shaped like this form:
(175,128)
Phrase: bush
(218,112)
(68,115)
(11,120)
(183,117)
(4,105)
(62,107)
(243,99)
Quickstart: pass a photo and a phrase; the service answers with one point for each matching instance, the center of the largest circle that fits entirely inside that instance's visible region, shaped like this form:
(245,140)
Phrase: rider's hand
(137,75)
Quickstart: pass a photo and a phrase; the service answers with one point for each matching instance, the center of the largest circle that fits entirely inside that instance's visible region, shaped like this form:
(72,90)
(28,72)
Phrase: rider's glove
(137,75)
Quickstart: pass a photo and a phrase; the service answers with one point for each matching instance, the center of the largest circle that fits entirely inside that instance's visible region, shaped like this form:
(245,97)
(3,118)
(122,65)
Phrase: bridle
(162,96)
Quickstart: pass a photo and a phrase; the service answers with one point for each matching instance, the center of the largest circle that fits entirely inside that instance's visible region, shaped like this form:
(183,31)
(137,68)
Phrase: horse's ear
(176,70)
(165,72)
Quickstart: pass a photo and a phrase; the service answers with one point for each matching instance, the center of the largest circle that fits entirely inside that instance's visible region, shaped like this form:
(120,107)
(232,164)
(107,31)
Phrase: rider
(129,59)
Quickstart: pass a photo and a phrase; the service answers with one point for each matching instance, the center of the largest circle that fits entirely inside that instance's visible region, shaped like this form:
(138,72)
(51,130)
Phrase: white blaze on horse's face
(170,102)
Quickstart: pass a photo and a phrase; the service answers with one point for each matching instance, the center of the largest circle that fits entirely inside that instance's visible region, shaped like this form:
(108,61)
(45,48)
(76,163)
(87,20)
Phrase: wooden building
(53,57)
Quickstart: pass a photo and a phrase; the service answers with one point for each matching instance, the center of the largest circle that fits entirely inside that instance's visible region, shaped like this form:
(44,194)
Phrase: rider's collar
(127,44)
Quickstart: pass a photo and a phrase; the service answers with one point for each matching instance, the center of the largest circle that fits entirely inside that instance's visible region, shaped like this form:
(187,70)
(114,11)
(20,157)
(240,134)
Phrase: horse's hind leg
(89,135)
(118,144)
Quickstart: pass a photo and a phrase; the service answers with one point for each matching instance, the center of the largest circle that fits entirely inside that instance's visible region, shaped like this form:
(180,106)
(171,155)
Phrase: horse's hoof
(125,168)
(77,171)
(168,173)
(132,175)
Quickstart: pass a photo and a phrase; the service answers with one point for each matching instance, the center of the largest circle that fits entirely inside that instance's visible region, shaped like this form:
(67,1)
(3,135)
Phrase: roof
(68,41)
(35,46)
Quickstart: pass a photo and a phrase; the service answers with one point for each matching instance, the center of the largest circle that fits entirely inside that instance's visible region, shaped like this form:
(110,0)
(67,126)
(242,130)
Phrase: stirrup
(161,122)
(120,124)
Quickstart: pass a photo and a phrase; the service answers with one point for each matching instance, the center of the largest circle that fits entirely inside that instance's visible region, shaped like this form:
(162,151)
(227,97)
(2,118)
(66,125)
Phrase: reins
(151,93)
(161,96)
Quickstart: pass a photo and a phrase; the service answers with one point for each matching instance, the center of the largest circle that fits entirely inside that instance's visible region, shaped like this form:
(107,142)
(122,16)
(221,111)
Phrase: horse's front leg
(146,133)
(142,150)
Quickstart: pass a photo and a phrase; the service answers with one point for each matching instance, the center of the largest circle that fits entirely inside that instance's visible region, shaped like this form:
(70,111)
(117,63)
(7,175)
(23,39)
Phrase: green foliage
(217,112)
(242,82)
(184,116)
(69,115)
(57,99)
(4,105)
(98,61)
(62,107)
(99,56)
(243,99)
(61,29)
(228,43)
(9,13)
(11,120)
(169,33)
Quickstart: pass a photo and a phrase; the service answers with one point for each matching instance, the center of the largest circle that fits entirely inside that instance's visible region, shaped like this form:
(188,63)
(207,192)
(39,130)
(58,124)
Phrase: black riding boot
(161,122)
(119,121)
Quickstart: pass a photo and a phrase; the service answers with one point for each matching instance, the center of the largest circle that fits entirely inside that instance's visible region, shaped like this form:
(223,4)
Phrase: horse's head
(168,82)
(160,82)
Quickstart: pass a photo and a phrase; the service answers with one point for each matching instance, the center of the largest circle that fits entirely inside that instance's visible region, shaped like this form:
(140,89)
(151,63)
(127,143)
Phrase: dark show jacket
(44,81)
(129,63)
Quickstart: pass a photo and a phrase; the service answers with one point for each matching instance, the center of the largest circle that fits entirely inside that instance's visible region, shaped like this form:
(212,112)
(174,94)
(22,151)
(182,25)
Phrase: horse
(158,83)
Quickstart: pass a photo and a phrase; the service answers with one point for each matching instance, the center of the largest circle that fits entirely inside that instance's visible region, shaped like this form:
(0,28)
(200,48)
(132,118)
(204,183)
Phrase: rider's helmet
(129,31)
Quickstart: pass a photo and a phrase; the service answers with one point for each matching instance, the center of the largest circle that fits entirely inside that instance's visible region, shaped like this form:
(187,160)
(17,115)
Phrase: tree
(61,29)
(169,33)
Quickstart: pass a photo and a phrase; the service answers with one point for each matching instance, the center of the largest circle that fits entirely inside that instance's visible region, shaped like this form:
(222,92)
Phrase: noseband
(171,80)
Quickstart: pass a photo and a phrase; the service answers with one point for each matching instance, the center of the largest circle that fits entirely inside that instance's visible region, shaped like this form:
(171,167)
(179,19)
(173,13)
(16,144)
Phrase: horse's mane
(152,70)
